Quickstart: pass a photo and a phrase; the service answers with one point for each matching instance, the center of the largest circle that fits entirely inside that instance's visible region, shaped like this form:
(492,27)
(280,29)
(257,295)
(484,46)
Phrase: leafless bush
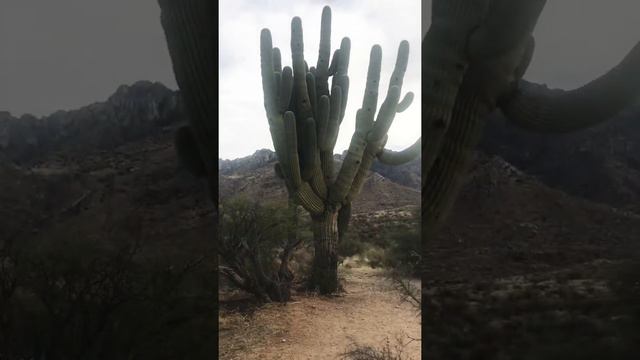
(255,247)
(68,295)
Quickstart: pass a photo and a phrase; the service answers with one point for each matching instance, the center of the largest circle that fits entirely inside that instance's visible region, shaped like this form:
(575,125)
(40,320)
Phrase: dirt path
(311,327)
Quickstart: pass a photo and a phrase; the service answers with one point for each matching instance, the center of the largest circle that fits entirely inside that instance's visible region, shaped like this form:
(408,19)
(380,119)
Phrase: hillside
(601,163)
(254,176)
(534,210)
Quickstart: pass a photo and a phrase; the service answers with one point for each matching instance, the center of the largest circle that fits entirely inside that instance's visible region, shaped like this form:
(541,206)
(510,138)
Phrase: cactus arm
(311,89)
(301,189)
(325,154)
(444,62)
(317,181)
(397,76)
(361,175)
(268,80)
(405,102)
(292,159)
(333,65)
(385,116)
(277,60)
(364,122)
(308,148)
(350,165)
(286,89)
(314,175)
(378,129)
(274,101)
(390,157)
(309,200)
(559,111)
(331,134)
(340,78)
(369,132)
(303,103)
(324,53)
(370,100)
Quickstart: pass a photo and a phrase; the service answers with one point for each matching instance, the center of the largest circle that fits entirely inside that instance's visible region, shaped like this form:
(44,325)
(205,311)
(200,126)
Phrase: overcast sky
(65,54)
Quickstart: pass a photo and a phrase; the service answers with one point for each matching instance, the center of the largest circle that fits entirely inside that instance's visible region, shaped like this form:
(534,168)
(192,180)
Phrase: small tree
(255,246)
(304,120)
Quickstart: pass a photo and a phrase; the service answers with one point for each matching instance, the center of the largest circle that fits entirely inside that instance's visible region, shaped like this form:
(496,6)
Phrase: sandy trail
(312,327)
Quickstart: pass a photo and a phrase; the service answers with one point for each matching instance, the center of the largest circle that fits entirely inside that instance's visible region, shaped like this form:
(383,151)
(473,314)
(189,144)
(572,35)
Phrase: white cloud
(243,124)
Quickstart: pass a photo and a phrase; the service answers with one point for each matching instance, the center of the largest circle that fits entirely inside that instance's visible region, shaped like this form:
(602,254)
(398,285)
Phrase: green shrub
(375,256)
(350,246)
(404,251)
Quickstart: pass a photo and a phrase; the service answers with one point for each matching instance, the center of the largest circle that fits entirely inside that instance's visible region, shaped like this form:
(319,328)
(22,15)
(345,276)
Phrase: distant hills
(64,167)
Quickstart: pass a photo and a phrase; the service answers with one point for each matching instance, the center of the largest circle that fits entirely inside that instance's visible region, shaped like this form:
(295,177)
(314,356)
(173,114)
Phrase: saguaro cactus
(304,116)
(189,26)
(497,53)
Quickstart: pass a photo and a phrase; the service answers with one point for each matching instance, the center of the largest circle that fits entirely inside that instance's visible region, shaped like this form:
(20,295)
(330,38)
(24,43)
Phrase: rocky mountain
(409,174)
(258,159)
(601,163)
(133,112)
(254,177)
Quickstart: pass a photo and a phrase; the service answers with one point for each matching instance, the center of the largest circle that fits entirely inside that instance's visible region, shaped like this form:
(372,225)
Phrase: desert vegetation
(379,277)
(76,293)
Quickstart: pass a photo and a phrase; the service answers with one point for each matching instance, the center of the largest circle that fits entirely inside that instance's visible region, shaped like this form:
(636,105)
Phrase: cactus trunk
(325,265)
(448,171)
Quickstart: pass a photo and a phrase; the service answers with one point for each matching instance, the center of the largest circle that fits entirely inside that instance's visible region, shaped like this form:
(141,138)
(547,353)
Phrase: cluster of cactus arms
(474,56)
(189,27)
(305,115)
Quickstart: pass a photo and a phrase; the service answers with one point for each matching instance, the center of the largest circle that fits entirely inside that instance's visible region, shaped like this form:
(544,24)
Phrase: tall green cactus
(189,26)
(304,116)
(497,53)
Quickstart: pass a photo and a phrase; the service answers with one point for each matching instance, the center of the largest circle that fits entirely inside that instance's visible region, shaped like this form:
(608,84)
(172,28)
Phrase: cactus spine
(304,116)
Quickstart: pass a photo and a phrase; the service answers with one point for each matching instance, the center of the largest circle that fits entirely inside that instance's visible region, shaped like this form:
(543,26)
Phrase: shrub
(256,245)
(103,296)
(350,246)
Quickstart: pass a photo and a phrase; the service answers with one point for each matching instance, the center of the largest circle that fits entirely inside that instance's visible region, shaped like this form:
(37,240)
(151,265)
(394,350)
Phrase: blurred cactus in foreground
(474,56)
(305,115)
(189,26)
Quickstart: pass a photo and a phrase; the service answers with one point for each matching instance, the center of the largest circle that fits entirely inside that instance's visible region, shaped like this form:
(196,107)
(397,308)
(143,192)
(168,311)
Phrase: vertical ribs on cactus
(305,114)
(190,33)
